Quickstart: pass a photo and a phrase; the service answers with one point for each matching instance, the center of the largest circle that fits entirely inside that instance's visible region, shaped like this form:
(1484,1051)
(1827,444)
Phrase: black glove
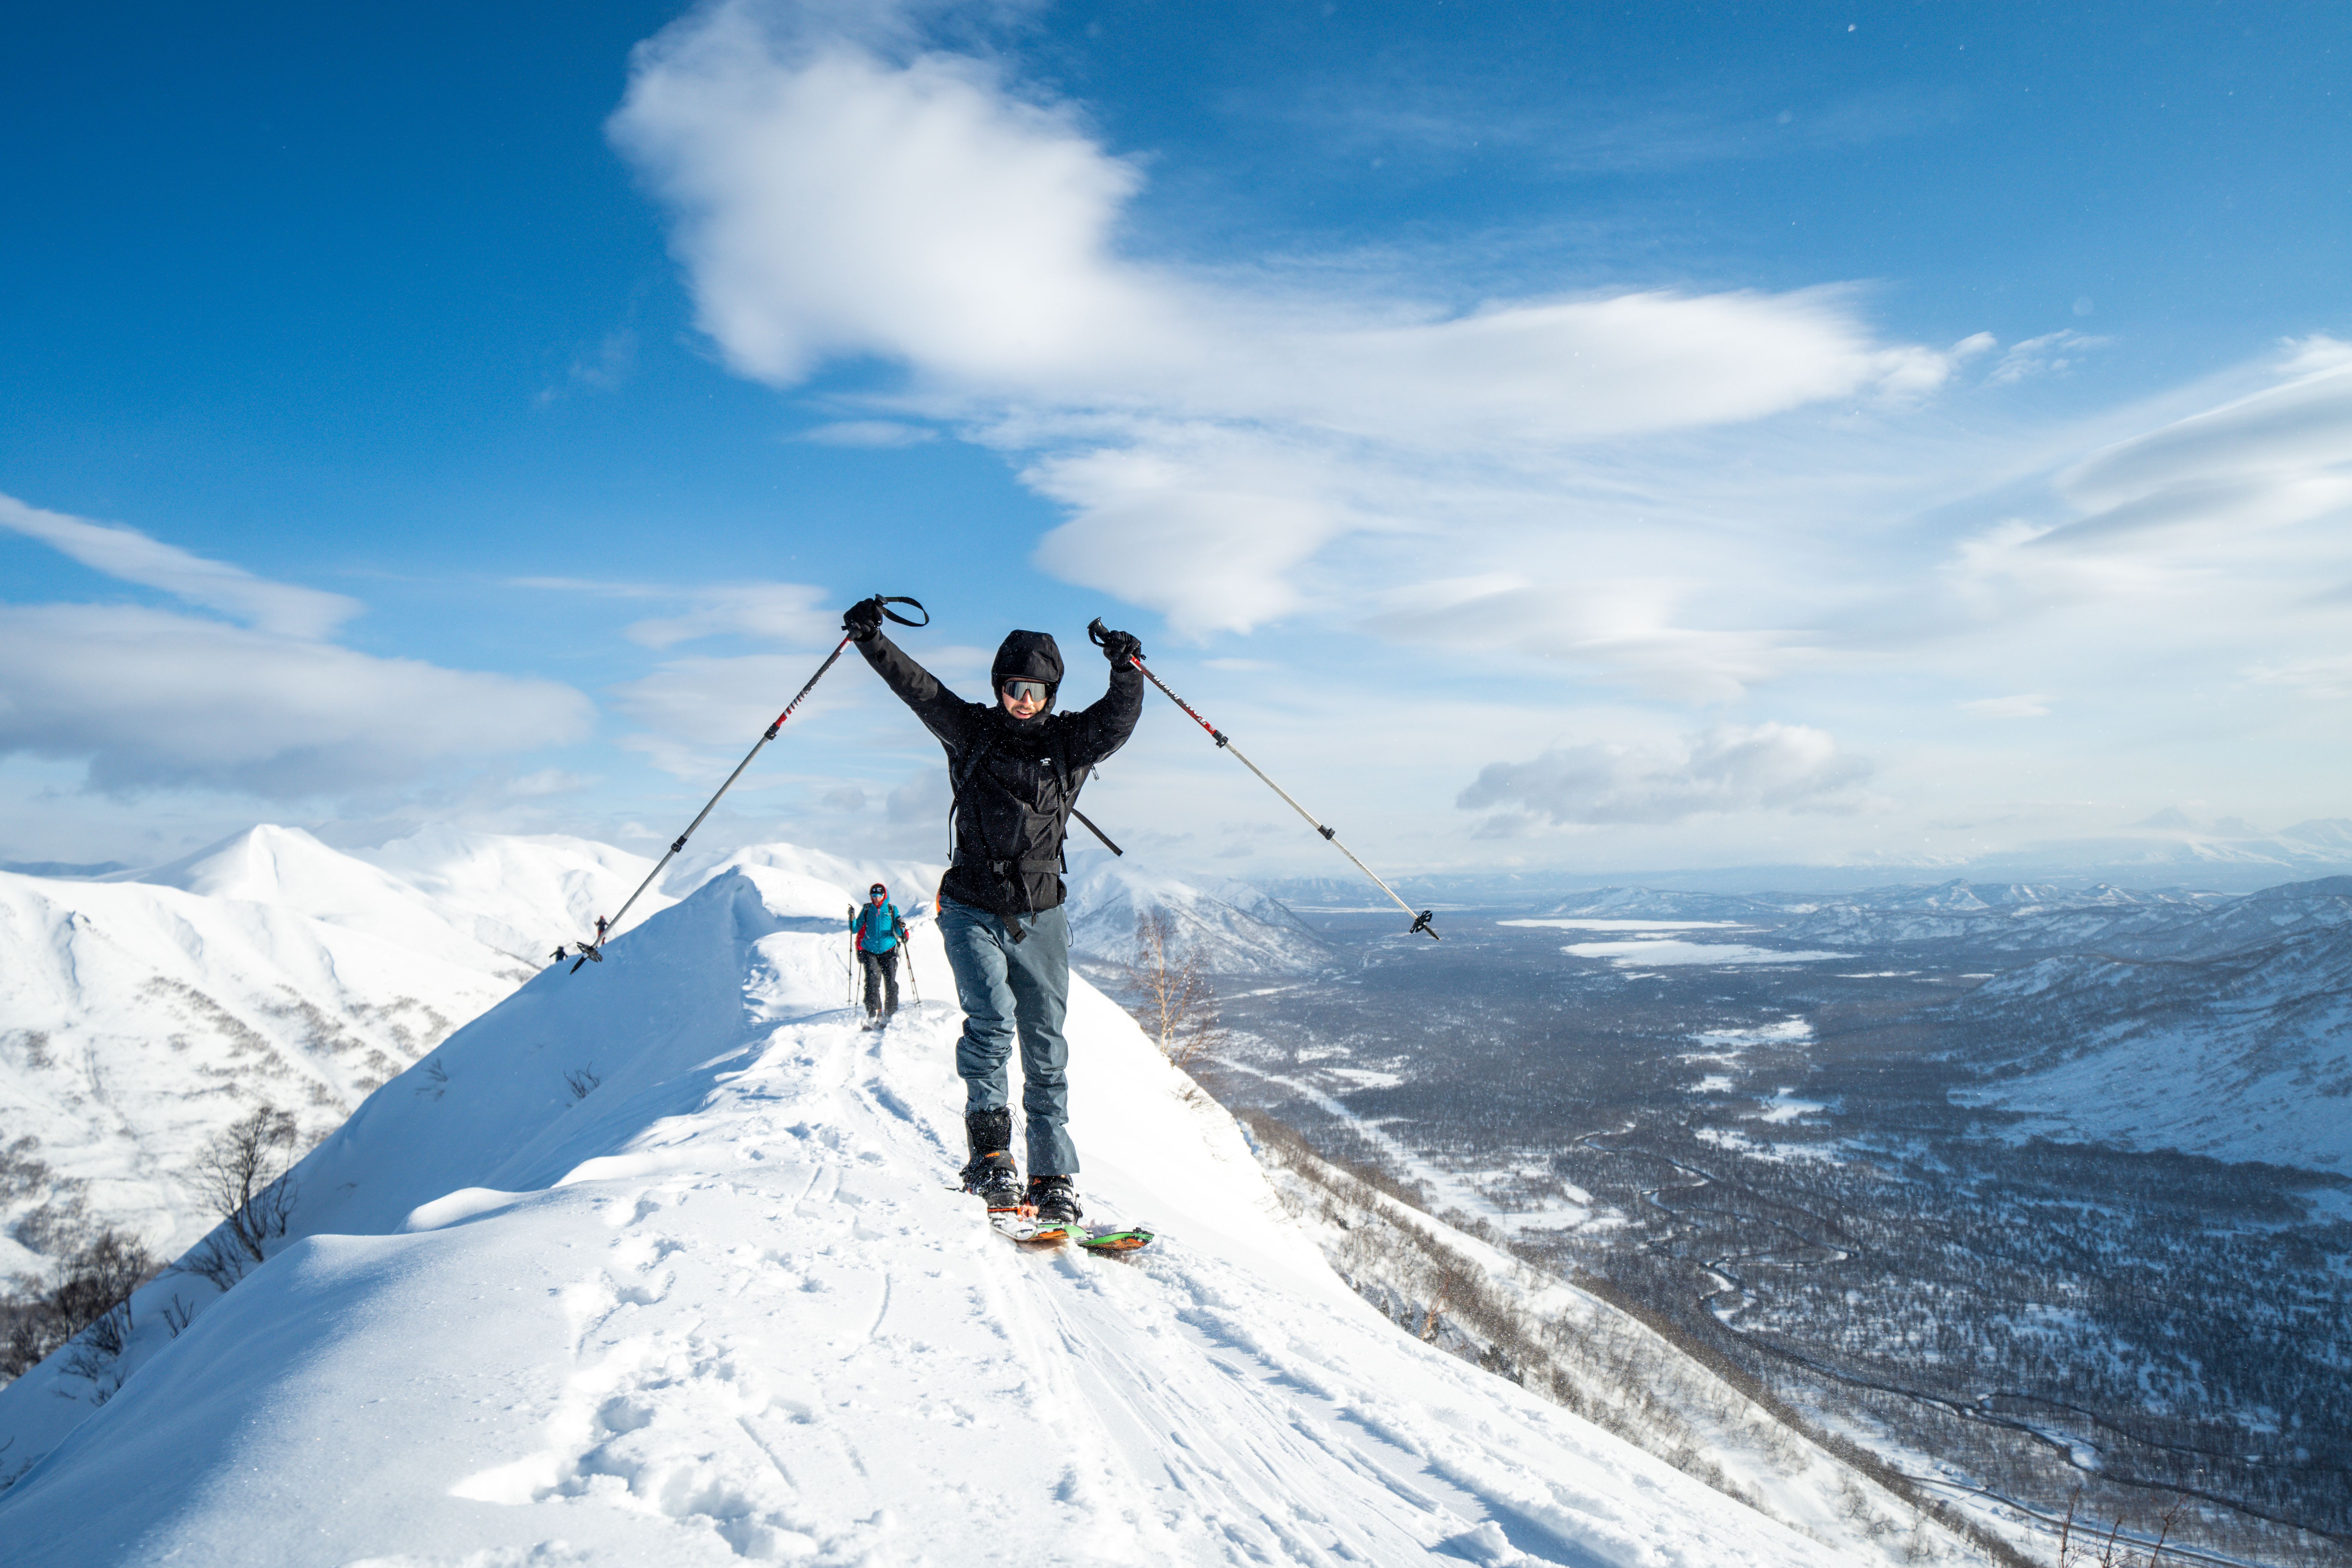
(863,619)
(1120,647)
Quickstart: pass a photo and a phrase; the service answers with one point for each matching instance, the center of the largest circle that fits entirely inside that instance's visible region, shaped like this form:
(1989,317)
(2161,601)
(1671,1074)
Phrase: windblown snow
(656,1264)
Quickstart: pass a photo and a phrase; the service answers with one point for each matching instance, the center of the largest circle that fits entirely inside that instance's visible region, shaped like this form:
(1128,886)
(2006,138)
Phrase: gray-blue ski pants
(1011,988)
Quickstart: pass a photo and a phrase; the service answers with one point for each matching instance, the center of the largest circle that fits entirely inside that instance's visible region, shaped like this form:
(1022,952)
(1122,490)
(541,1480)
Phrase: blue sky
(1571,436)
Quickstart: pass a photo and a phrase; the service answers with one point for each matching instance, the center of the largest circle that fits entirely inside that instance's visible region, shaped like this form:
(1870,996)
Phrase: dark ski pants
(1010,989)
(881,982)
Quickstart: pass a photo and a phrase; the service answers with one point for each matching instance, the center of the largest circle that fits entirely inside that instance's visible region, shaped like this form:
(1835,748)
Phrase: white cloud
(154,700)
(792,613)
(2053,353)
(130,556)
(1207,531)
(719,703)
(1730,768)
(1624,629)
(2212,527)
(1212,435)
(2025,705)
(2326,676)
(868,433)
(2294,430)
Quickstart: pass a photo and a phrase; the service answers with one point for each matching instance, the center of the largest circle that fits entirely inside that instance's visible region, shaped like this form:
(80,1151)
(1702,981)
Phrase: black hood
(1027,655)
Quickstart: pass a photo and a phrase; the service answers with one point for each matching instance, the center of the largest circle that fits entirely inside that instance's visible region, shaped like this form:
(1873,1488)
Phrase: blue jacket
(877,934)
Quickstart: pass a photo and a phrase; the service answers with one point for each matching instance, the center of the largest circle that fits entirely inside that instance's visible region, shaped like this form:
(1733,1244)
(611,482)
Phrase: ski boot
(992,1173)
(1055,1201)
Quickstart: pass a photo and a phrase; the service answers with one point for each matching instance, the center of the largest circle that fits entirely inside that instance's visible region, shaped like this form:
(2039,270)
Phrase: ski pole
(853,958)
(604,927)
(907,948)
(1097,633)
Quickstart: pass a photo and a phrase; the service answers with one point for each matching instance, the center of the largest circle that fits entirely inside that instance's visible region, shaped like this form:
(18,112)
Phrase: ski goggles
(1025,691)
(876,890)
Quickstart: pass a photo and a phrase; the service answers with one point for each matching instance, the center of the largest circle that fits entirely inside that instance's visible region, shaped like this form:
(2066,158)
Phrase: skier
(1016,768)
(878,931)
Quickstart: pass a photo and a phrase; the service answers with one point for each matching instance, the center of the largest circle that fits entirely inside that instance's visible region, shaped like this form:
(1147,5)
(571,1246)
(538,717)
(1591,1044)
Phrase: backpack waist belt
(967,857)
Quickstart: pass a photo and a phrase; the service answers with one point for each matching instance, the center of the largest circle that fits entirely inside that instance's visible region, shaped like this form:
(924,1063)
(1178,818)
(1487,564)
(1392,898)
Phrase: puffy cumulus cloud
(838,189)
(1205,532)
(130,556)
(153,699)
(830,201)
(1730,768)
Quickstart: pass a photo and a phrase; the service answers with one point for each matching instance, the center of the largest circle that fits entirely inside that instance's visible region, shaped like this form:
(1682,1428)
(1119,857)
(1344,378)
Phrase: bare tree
(1176,1003)
(88,1289)
(243,1174)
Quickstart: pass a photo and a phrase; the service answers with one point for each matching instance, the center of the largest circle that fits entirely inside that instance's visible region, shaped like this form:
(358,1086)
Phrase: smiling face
(1022,698)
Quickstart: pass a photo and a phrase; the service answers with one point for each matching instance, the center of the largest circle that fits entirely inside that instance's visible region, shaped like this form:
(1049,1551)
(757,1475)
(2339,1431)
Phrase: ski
(1104,1238)
(1029,1231)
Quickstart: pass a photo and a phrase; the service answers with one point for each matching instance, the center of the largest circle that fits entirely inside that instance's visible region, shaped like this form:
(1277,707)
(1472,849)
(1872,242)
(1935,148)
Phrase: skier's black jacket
(1014,780)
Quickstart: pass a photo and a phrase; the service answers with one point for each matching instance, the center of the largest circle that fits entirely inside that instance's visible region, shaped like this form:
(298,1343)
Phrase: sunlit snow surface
(1666,952)
(1568,924)
(723,1308)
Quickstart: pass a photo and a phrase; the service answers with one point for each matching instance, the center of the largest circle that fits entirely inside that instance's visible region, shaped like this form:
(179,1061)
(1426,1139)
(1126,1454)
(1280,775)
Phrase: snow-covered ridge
(720,1306)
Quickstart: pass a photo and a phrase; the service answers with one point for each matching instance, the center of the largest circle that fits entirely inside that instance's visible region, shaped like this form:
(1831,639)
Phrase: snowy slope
(522,895)
(1234,928)
(137,1020)
(2244,1054)
(140,1015)
(723,1308)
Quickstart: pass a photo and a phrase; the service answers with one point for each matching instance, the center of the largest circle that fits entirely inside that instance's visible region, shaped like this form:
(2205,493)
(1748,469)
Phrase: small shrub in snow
(243,1174)
(84,1298)
(1175,1000)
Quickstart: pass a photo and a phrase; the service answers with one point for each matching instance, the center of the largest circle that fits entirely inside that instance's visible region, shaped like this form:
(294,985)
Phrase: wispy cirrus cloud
(153,698)
(130,556)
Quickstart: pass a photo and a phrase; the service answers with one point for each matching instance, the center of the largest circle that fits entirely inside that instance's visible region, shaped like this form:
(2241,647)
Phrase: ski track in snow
(724,1308)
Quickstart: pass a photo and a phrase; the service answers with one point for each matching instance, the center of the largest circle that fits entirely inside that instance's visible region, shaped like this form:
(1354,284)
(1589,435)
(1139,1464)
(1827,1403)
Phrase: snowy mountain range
(1232,928)
(2207,1022)
(656,1263)
(2224,1031)
(143,1012)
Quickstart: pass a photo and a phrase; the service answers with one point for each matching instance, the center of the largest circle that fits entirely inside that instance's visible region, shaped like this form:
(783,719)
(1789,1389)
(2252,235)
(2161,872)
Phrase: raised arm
(943,713)
(1102,728)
